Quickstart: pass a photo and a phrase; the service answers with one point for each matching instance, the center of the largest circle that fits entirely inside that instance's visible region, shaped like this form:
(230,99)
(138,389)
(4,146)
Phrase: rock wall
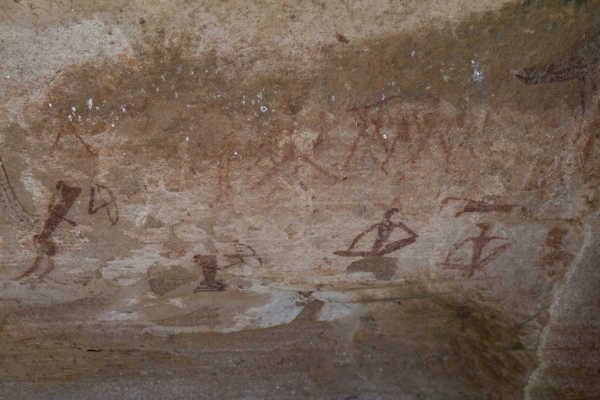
(337,200)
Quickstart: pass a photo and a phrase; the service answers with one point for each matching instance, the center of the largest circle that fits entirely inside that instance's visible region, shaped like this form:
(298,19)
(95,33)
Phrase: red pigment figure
(209,266)
(60,204)
(479,242)
(579,63)
(473,206)
(111,206)
(384,231)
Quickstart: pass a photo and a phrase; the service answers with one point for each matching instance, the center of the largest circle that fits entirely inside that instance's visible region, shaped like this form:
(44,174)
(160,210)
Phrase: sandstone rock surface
(282,200)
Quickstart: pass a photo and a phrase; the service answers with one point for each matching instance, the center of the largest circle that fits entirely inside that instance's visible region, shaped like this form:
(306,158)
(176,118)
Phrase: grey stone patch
(383,268)
(204,316)
(163,280)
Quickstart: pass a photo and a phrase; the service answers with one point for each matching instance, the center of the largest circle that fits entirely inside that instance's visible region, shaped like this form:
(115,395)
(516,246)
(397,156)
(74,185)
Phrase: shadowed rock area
(299,200)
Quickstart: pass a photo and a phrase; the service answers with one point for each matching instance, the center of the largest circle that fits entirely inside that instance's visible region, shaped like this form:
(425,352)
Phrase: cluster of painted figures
(382,245)
(579,64)
(101,197)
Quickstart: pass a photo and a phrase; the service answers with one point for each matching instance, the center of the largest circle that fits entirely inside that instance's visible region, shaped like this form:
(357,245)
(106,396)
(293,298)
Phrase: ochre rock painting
(400,204)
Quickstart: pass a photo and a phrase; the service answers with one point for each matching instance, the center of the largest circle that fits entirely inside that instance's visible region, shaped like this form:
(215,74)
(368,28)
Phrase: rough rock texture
(280,200)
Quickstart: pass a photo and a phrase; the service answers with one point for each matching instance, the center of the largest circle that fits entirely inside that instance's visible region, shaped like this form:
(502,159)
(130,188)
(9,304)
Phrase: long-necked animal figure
(60,204)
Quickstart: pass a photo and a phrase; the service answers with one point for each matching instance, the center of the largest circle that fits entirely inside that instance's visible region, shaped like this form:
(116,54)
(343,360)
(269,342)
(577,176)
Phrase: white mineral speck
(477,73)
(187,139)
(112,124)
(413,53)
(70,117)
(73,109)
(123,109)
(264,108)
(382,97)
(90,103)
(243,99)
(49,105)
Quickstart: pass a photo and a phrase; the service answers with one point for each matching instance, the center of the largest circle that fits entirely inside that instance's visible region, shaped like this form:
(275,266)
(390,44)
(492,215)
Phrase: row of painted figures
(101,197)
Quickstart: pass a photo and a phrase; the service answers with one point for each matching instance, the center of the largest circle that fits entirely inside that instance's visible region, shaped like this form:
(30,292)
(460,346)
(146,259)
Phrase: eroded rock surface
(337,200)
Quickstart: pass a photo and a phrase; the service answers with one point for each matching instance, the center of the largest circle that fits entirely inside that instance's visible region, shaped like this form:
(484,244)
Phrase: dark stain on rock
(383,268)
(163,280)
(204,316)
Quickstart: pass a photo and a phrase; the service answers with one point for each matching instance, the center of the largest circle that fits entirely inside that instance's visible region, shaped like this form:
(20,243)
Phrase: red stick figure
(384,231)
(479,242)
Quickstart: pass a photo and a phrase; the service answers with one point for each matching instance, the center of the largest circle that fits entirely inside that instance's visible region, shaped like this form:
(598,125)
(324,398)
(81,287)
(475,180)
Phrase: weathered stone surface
(337,200)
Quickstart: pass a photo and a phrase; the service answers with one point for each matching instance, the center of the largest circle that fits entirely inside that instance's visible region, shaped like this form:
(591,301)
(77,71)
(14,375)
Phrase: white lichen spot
(112,125)
(187,139)
(123,109)
(176,94)
(244,99)
(332,98)
(413,53)
(117,316)
(477,73)
(176,302)
(73,109)
(90,103)
(264,108)
(382,96)
(162,76)
(70,117)
(384,136)
(132,301)
(49,105)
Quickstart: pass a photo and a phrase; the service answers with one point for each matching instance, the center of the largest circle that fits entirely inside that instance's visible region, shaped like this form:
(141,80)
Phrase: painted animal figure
(60,204)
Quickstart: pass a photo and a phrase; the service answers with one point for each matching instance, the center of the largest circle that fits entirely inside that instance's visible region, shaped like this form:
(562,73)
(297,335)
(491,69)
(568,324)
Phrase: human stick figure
(384,231)
(479,242)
